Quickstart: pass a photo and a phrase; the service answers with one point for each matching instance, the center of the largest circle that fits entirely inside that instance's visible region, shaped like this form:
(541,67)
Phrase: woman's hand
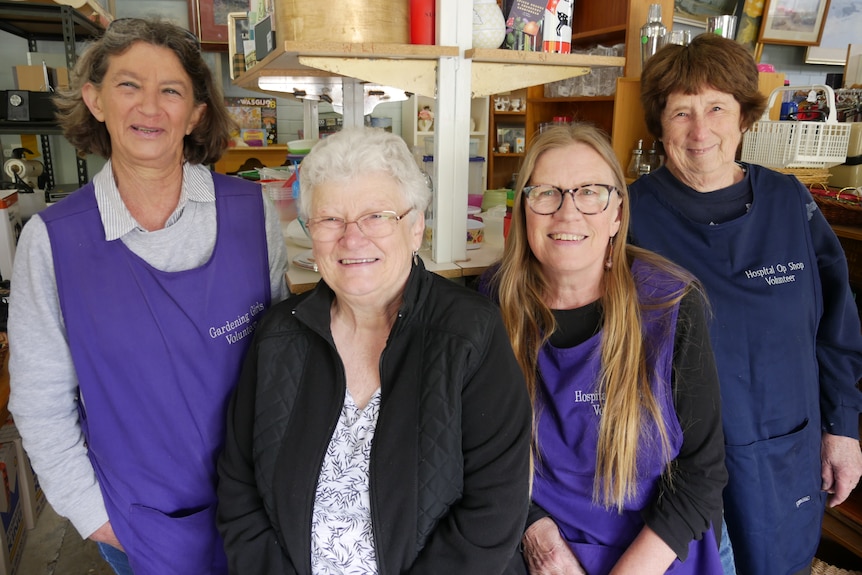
(547,553)
(105,534)
(648,554)
(841,466)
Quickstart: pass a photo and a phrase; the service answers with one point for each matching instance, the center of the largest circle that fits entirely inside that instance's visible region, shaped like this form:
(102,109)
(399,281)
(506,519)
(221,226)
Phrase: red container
(422,18)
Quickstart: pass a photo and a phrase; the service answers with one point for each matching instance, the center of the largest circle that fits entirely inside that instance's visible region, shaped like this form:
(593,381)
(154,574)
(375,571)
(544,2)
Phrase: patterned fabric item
(818,567)
(342,541)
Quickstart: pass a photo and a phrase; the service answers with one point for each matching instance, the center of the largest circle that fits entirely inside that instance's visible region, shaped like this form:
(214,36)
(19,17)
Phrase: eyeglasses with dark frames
(589,199)
(373,225)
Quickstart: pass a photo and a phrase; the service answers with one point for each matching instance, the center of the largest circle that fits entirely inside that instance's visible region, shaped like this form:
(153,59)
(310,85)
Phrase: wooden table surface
(300,279)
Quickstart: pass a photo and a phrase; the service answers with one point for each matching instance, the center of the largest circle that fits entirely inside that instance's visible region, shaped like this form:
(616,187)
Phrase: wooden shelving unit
(503,165)
(433,71)
(100,13)
(620,115)
(413,67)
(406,66)
(425,140)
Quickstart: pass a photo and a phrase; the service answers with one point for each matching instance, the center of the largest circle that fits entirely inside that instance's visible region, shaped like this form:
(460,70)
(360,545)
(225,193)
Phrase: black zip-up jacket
(449,470)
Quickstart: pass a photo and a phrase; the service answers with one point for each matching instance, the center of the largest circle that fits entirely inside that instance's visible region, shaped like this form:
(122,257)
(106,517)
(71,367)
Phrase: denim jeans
(725,551)
(118,560)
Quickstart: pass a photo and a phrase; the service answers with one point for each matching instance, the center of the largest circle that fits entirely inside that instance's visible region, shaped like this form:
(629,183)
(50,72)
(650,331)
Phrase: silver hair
(353,152)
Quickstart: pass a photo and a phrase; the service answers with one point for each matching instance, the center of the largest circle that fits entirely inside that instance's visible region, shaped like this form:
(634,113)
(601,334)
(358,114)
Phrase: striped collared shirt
(116,218)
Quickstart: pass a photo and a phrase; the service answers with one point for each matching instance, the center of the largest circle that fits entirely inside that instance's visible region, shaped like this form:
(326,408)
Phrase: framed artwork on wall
(237,34)
(750,16)
(794,22)
(208,20)
(695,12)
(843,21)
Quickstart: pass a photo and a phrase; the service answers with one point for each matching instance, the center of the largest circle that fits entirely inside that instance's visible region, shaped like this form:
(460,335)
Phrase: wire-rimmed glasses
(589,199)
(373,225)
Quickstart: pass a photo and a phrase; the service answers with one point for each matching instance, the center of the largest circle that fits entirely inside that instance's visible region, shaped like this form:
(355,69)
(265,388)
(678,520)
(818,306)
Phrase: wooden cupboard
(504,163)
(606,23)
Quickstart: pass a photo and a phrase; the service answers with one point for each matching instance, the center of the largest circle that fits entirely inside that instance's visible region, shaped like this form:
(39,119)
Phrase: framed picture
(695,12)
(208,20)
(749,16)
(237,34)
(794,22)
(841,30)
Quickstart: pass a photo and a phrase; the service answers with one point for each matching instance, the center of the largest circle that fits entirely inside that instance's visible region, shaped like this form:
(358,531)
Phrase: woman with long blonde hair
(613,343)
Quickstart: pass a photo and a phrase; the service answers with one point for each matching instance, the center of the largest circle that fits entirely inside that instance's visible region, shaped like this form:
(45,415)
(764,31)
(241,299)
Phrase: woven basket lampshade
(354,21)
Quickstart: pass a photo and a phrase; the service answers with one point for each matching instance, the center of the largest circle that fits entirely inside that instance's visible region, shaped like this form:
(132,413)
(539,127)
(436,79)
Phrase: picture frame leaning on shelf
(695,13)
(238,33)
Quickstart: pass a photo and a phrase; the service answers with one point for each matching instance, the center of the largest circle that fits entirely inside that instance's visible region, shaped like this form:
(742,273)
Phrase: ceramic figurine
(425,121)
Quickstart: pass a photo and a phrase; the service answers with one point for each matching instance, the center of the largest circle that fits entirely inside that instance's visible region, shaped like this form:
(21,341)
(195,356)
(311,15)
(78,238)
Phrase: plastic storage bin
(477,175)
(281,194)
(796,143)
(475,181)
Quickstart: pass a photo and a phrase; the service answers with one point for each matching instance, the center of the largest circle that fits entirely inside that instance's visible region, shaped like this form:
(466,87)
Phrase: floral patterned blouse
(342,540)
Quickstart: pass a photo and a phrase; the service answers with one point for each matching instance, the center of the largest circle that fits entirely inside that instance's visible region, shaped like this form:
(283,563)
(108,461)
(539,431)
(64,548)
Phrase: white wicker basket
(797,144)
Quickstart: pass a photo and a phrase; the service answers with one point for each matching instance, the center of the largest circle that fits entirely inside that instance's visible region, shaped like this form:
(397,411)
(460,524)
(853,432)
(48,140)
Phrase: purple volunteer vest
(568,411)
(157,355)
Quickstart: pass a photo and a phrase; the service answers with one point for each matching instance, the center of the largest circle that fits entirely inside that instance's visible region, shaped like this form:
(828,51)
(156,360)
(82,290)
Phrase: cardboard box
(12,532)
(849,174)
(846,175)
(10,229)
(32,78)
(62,78)
(854,146)
(31,496)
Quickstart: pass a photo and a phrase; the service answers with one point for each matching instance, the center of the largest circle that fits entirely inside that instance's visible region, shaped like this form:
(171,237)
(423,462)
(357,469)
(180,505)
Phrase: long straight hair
(629,405)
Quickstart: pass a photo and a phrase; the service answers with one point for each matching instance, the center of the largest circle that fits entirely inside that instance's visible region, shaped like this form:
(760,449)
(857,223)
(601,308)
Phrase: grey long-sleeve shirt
(43,380)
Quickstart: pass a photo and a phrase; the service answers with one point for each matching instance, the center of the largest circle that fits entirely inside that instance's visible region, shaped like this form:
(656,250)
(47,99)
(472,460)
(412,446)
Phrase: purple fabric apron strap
(568,419)
(157,355)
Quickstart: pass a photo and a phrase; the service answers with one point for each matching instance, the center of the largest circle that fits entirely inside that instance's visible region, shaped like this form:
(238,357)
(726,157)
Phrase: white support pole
(310,115)
(354,102)
(452,132)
